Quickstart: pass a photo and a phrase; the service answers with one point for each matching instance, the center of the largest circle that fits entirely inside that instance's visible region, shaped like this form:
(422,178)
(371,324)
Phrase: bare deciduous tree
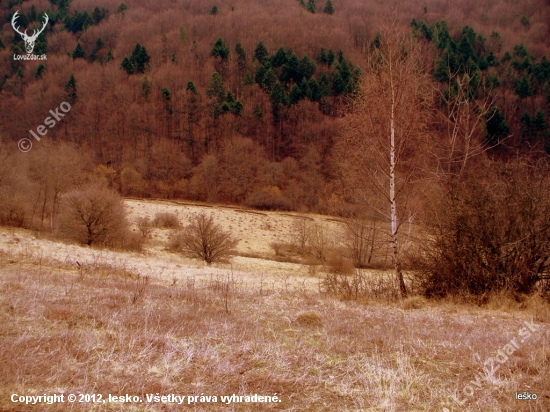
(93,215)
(56,169)
(360,238)
(462,115)
(144,225)
(15,200)
(380,142)
(300,236)
(204,239)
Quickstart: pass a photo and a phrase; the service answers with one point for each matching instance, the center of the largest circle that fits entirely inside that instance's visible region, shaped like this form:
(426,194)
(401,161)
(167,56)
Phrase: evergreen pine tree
(338,83)
(99,14)
(70,88)
(541,70)
(279,99)
(241,57)
(139,59)
(191,87)
(236,107)
(216,92)
(329,9)
(260,53)
(496,127)
(121,9)
(269,79)
(109,56)
(525,127)
(523,87)
(306,68)
(322,57)
(311,6)
(248,80)
(78,52)
(492,81)
(280,57)
(330,57)
(376,42)
(295,94)
(33,15)
(167,98)
(258,113)
(220,50)
(39,71)
(127,66)
(441,36)
(492,60)
(520,50)
(539,121)
(313,90)
(41,44)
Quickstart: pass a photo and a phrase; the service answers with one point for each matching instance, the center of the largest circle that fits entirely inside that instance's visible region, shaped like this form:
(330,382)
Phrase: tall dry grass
(103,329)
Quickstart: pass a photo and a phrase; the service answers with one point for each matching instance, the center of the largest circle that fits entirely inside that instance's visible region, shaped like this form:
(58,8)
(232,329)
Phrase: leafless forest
(342,203)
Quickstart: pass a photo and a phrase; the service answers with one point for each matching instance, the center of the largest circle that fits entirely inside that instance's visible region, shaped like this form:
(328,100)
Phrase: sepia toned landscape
(301,205)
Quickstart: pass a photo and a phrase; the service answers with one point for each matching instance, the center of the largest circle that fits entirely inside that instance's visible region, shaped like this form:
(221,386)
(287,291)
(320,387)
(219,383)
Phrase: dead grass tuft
(166,220)
(309,318)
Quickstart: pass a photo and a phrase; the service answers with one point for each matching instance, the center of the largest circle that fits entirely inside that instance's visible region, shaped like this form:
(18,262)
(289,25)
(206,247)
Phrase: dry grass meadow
(78,320)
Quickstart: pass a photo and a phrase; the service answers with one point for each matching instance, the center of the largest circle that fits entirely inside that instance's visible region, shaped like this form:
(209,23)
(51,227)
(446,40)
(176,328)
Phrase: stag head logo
(29,40)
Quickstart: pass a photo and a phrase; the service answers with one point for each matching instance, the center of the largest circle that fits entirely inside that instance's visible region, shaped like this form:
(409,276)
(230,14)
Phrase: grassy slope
(101,329)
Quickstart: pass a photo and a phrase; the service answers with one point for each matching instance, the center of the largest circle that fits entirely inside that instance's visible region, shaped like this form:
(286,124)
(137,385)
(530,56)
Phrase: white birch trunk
(393,201)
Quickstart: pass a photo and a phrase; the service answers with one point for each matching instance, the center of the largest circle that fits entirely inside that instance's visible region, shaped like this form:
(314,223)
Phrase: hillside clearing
(139,324)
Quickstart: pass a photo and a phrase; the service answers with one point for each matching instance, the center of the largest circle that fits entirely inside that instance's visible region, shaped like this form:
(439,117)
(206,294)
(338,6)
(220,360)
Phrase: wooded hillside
(239,101)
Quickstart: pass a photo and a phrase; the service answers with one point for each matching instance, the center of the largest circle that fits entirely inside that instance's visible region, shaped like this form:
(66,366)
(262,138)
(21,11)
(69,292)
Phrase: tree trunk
(393,207)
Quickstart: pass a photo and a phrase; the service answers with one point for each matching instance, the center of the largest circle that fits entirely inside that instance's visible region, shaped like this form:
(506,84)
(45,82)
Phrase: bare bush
(320,243)
(360,285)
(204,239)
(360,237)
(131,241)
(311,238)
(166,220)
(144,225)
(93,215)
(300,233)
(490,233)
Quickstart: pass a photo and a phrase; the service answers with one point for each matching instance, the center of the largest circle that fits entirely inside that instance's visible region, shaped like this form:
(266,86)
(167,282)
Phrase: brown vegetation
(202,238)
(166,220)
(89,330)
(490,234)
(177,136)
(93,215)
(428,144)
(384,135)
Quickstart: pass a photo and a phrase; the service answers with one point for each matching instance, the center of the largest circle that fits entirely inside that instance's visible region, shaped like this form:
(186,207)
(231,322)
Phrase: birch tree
(462,115)
(383,134)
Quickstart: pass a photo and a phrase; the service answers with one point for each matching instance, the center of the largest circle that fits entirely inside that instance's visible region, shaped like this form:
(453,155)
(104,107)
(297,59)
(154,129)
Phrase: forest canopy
(242,105)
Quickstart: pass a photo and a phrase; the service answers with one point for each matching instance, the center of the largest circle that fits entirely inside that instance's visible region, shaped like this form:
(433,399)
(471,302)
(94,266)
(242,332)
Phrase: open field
(158,323)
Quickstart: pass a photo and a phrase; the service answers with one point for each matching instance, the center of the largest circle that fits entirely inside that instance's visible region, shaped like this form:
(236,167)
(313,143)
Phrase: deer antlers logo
(29,40)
